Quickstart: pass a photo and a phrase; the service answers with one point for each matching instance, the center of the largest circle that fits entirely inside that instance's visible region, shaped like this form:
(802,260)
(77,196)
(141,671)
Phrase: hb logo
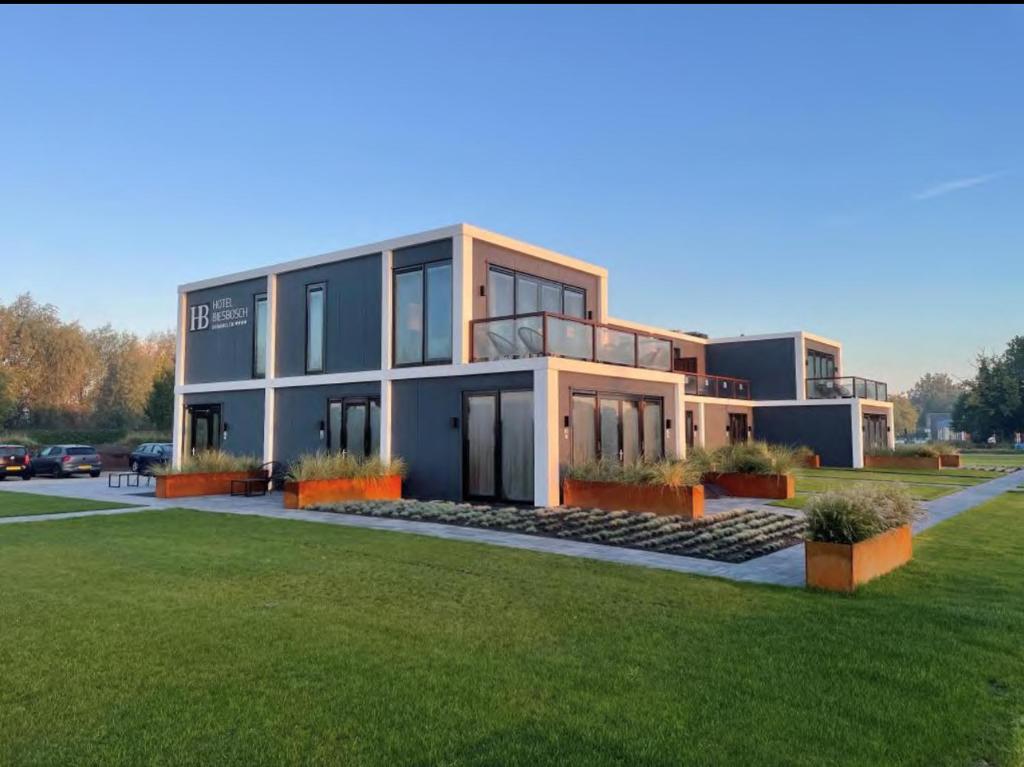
(199,317)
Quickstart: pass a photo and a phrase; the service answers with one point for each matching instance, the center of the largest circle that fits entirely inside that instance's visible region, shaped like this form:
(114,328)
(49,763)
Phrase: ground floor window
(738,428)
(876,431)
(618,427)
(353,426)
(498,445)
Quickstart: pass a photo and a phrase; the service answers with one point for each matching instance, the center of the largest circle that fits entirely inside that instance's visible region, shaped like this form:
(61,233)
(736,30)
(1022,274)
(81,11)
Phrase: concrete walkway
(783,568)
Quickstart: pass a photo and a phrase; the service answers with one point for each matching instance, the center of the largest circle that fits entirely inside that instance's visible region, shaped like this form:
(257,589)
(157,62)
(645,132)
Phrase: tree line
(992,403)
(58,375)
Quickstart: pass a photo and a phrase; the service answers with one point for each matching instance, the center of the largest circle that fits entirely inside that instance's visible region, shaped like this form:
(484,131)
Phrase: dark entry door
(204,426)
(875,432)
(689,428)
(497,446)
(737,428)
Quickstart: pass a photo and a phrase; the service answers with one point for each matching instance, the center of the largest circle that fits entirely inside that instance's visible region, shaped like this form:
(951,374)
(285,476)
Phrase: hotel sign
(218,314)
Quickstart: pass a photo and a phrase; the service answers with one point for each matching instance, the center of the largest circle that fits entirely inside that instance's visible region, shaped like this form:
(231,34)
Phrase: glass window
(334,426)
(584,437)
(315,329)
(551,297)
(630,431)
(356,427)
(439,312)
(259,338)
(574,301)
(654,435)
(517,445)
(527,294)
(609,429)
(409,317)
(480,420)
(354,423)
(374,427)
(501,293)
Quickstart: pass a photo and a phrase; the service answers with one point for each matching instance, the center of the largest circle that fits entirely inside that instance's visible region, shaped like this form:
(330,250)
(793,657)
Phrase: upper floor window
(510,293)
(820,364)
(259,337)
(316,317)
(423,314)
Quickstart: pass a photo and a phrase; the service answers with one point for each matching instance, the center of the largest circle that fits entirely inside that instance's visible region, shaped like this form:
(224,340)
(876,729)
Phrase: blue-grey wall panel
(823,428)
(352,340)
(219,326)
(769,365)
(298,411)
(422,431)
(438,250)
(242,411)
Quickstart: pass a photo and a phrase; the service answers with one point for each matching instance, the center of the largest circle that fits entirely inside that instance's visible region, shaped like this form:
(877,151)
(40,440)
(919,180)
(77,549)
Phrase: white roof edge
(775,336)
(394,243)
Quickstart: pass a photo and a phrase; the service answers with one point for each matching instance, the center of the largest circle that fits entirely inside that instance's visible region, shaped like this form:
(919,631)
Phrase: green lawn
(13,504)
(993,459)
(178,637)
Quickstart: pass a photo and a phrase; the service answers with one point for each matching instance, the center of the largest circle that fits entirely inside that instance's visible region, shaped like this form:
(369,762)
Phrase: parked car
(149,454)
(15,461)
(65,460)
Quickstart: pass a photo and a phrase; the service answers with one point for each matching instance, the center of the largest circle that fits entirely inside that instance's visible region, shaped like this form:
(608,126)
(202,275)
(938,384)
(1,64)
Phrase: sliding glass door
(498,445)
(616,427)
(353,425)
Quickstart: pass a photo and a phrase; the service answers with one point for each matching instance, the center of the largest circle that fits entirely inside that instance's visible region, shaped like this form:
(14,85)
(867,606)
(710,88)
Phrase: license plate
(84,466)
(13,468)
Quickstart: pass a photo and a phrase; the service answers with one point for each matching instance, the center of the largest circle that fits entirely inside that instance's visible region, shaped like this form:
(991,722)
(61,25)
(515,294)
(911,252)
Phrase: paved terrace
(783,568)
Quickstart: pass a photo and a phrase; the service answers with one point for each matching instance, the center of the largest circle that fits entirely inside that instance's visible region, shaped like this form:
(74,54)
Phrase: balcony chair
(504,348)
(532,340)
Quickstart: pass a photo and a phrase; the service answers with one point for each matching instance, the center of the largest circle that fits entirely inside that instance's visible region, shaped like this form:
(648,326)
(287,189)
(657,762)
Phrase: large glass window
(259,337)
(517,445)
(423,314)
(517,293)
(315,325)
(354,426)
(820,364)
(624,428)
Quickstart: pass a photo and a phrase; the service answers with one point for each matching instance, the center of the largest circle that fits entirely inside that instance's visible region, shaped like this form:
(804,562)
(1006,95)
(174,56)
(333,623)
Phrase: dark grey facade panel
(242,411)
(353,316)
(423,434)
(439,250)
(769,365)
(219,327)
(823,428)
(298,411)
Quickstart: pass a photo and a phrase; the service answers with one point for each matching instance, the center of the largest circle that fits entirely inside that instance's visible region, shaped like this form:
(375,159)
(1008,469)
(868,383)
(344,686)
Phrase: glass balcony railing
(716,386)
(543,334)
(847,387)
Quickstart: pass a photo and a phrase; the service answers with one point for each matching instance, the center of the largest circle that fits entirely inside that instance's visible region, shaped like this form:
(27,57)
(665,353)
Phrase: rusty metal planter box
(687,502)
(777,486)
(206,483)
(844,566)
(309,492)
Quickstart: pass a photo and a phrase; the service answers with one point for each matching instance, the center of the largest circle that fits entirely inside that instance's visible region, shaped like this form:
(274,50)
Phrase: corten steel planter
(950,461)
(207,483)
(812,461)
(687,502)
(844,566)
(902,462)
(310,492)
(778,486)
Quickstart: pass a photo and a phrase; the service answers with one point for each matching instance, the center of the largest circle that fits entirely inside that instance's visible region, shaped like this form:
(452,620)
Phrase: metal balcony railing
(545,334)
(847,387)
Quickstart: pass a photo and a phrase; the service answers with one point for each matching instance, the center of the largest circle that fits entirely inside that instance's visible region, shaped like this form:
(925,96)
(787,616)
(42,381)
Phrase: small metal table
(250,487)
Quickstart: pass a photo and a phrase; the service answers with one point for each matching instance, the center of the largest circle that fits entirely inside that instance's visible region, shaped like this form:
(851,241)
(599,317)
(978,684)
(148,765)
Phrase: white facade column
(857,434)
(270,373)
(462,296)
(890,420)
(546,490)
(698,421)
(800,351)
(178,416)
(676,442)
(385,419)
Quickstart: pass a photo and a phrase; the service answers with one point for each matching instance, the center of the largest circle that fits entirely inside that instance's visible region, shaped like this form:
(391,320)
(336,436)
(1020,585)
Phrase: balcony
(544,334)
(848,387)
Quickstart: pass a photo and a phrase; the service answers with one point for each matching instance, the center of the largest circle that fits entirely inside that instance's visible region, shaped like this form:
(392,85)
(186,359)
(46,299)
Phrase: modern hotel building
(486,363)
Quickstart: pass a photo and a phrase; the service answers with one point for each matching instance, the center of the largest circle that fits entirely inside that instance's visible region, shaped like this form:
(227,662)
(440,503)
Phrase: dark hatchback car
(149,454)
(15,461)
(65,460)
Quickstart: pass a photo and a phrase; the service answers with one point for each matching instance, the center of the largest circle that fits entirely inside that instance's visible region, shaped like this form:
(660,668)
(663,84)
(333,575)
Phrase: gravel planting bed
(731,536)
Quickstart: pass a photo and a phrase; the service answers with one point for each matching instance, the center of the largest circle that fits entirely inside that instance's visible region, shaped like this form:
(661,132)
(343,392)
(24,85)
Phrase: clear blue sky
(852,171)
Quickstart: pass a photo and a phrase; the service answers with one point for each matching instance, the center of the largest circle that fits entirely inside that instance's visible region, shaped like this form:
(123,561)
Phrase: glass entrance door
(204,427)
(498,445)
(737,428)
(875,432)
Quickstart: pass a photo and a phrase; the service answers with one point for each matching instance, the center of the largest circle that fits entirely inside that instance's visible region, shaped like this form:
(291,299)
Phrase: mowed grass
(993,459)
(178,637)
(14,504)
